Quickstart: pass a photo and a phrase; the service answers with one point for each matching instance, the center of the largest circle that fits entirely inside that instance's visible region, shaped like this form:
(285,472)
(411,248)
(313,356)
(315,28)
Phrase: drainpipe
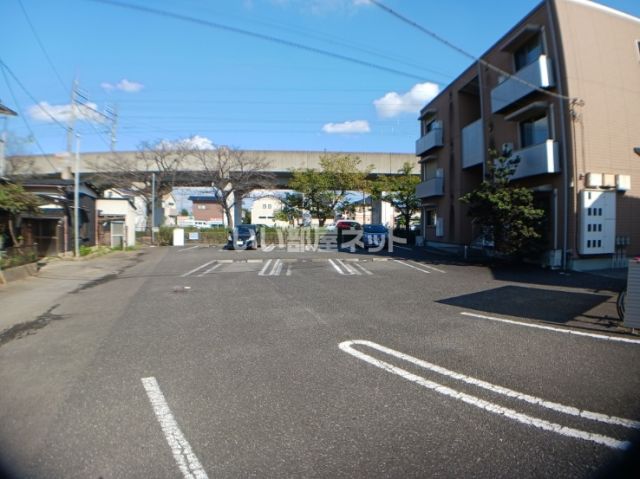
(564,106)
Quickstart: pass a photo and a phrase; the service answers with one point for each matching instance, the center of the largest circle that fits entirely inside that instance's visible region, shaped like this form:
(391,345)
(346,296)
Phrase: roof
(204,199)
(7,111)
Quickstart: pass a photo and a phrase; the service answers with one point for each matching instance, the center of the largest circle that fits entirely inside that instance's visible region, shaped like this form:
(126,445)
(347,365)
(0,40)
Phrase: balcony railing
(472,144)
(431,187)
(538,74)
(537,160)
(433,139)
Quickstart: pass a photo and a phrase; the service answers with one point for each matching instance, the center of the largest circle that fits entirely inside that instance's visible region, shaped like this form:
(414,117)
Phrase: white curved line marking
(347,346)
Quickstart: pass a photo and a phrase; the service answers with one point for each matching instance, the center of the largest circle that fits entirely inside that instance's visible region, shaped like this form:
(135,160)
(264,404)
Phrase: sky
(335,75)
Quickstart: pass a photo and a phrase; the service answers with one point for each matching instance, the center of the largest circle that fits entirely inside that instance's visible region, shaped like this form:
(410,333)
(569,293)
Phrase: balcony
(433,139)
(472,144)
(431,187)
(537,160)
(538,74)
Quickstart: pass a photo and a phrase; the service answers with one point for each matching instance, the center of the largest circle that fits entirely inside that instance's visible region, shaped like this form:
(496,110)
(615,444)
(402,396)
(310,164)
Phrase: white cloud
(123,85)
(195,142)
(357,126)
(47,113)
(393,104)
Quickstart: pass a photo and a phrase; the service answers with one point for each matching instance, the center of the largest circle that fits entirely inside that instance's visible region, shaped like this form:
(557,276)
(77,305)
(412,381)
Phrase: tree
(291,210)
(400,192)
(165,159)
(184,212)
(232,173)
(505,212)
(327,188)
(14,200)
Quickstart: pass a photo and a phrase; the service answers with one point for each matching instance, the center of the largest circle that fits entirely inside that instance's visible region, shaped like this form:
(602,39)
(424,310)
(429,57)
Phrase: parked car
(244,237)
(348,225)
(374,236)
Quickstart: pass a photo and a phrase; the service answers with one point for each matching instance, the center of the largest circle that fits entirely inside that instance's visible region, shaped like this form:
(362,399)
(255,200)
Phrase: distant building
(568,105)
(207,211)
(116,222)
(263,211)
(170,208)
(139,202)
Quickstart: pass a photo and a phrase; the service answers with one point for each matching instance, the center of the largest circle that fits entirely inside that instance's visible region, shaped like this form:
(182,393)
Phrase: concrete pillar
(237,209)
(376,212)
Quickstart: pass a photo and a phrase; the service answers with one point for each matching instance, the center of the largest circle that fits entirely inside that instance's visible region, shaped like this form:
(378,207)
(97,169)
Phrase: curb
(18,272)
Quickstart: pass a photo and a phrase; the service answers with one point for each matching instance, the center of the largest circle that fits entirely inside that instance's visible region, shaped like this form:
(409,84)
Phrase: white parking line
(182,453)
(276,269)
(347,346)
(411,266)
(264,268)
(215,266)
(336,267)
(603,337)
(197,269)
(187,249)
(430,267)
(510,393)
(268,248)
(366,271)
(348,268)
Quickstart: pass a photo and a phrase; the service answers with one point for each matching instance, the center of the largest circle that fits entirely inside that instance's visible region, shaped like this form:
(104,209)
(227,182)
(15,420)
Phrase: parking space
(287,267)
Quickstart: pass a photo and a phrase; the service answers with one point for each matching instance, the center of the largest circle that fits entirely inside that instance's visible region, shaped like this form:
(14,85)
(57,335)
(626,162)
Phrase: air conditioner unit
(623,182)
(594,180)
(608,180)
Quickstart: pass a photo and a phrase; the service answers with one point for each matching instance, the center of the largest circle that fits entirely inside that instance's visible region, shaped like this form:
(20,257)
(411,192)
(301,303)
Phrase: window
(202,207)
(529,52)
(534,131)
(430,125)
(430,217)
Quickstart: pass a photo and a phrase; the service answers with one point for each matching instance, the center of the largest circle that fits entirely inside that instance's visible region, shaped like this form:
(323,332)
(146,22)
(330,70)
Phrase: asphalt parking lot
(204,362)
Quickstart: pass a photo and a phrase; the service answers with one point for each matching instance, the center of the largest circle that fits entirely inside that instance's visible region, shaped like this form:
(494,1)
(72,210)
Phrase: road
(199,362)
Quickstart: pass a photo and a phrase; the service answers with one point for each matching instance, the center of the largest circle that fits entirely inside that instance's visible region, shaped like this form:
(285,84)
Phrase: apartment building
(207,210)
(562,90)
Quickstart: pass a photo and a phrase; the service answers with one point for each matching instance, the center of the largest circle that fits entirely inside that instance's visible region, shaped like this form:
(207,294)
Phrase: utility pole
(3,137)
(76,201)
(113,113)
(153,208)
(72,118)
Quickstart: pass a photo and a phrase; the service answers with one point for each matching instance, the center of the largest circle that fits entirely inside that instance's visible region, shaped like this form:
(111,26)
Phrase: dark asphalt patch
(30,327)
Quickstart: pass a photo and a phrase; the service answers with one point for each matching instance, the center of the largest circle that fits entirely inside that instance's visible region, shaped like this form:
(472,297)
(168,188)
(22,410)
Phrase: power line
(44,50)
(447,43)
(260,36)
(36,102)
(24,118)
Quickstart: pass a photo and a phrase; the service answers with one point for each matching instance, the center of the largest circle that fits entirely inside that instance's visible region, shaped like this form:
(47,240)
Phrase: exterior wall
(208,211)
(116,207)
(263,211)
(588,52)
(602,65)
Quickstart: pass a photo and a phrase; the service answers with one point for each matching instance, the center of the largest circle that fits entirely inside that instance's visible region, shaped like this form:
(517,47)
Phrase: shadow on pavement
(531,303)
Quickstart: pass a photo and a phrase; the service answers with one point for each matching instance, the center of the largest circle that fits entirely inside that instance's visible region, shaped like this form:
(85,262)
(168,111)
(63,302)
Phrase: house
(561,90)
(116,226)
(263,211)
(375,212)
(207,211)
(139,202)
(170,209)
(52,228)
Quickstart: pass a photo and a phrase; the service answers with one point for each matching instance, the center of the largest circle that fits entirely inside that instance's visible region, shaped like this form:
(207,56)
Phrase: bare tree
(232,173)
(135,173)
